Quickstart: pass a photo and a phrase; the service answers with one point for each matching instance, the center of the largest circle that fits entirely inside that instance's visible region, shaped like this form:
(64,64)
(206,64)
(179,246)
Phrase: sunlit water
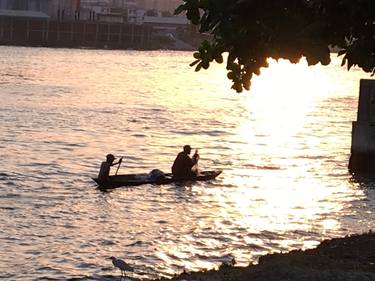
(283,149)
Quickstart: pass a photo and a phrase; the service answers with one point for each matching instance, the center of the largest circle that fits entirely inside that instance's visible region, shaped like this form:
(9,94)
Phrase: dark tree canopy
(251,31)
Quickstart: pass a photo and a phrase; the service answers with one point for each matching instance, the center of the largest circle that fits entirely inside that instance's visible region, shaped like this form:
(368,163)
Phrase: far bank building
(25,5)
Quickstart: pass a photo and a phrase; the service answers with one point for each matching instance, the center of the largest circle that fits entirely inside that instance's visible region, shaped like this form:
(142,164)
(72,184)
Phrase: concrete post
(84,32)
(108,32)
(362,157)
(11,29)
(2,29)
(97,34)
(58,31)
(71,31)
(28,30)
(132,37)
(120,34)
(47,31)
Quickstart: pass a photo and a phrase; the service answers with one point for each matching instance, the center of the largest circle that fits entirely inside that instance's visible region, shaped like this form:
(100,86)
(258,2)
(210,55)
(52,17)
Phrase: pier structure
(34,31)
(362,159)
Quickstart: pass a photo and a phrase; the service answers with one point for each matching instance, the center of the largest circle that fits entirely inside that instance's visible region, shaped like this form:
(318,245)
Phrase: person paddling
(105,167)
(183,164)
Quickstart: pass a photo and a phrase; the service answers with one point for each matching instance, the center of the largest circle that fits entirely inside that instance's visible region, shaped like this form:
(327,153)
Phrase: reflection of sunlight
(330,224)
(280,100)
(283,209)
(277,208)
(289,80)
(283,155)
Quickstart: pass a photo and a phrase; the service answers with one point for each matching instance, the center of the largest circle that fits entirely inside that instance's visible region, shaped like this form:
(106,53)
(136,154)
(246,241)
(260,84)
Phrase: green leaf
(193,15)
(194,62)
(343,61)
(204,4)
(199,66)
(350,64)
(197,55)
(180,9)
(206,45)
(341,52)
(312,60)
(237,86)
(246,84)
(219,58)
(251,31)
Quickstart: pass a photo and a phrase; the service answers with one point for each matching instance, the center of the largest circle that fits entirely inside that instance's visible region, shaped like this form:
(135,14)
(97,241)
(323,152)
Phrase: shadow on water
(182,190)
(109,190)
(93,278)
(364,180)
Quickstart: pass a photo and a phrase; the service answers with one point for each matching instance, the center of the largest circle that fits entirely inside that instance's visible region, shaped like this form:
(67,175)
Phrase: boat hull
(140,179)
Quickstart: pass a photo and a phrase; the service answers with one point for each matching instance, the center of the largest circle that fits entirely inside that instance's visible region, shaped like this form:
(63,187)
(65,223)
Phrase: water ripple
(284,185)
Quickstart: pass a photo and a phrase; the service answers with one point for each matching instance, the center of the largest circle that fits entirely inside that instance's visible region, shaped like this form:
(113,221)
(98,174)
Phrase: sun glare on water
(284,93)
(280,101)
(281,104)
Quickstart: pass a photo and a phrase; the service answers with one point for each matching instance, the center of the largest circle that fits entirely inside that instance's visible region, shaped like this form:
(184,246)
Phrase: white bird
(122,265)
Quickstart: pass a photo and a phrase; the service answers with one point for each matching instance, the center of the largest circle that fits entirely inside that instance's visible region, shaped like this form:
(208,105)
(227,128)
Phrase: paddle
(119,164)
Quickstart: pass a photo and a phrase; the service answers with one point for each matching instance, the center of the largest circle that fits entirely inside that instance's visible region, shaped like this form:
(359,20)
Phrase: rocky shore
(348,258)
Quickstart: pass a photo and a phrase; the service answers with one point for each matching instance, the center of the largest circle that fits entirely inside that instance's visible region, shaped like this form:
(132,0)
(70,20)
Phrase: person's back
(104,171)
(105,167)
(183,163)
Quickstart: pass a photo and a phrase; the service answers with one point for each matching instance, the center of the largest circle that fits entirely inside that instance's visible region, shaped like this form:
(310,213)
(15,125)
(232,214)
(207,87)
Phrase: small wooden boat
(139,179)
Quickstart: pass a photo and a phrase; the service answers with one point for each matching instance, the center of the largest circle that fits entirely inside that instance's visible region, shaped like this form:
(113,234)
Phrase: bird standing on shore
(122,265)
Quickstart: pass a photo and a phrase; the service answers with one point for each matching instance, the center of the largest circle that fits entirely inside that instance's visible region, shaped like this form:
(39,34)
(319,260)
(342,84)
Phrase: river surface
(283,148)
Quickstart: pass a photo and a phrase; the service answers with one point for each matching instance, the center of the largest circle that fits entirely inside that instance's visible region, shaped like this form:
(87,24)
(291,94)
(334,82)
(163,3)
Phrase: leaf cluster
(251,31)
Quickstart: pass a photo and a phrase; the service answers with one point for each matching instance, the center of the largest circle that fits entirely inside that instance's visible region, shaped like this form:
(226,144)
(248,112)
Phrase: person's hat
(187,147)
(110,156)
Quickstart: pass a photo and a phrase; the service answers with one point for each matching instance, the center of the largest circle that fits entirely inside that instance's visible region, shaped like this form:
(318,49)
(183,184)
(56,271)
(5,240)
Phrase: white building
(35,9)
(166,25)
(63,9)
(86,4)
(159,5)
(108,3)
(139,16)
(25,5)
(125,3)
(110,11)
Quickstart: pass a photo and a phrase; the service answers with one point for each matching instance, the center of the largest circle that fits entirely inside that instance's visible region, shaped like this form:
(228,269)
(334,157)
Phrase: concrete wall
(362,157)
(36,32)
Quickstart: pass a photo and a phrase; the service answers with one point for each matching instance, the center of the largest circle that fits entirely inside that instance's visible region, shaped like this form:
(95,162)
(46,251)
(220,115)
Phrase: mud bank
(348,258)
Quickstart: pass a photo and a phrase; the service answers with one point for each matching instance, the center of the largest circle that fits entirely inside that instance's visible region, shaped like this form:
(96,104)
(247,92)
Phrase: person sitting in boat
(183,165)
(105,167)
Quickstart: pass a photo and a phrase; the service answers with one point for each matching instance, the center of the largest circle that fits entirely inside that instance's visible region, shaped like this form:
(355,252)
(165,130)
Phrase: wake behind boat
(139,179)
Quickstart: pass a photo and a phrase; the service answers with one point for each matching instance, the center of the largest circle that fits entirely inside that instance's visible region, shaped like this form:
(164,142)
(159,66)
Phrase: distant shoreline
(90,34)
(192,49)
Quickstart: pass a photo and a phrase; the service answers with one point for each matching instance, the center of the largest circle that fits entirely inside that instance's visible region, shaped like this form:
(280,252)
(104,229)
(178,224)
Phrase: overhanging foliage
(251,31)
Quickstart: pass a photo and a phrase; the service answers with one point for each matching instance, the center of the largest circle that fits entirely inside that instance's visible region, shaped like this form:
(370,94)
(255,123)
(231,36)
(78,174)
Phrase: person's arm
(192,161)
(195,158)
(119,162)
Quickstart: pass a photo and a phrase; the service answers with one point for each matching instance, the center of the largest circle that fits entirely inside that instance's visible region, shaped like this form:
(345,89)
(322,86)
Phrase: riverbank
(30,32)
(348,258)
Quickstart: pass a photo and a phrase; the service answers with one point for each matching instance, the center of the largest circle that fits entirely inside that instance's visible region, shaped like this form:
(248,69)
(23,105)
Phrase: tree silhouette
(251,31)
